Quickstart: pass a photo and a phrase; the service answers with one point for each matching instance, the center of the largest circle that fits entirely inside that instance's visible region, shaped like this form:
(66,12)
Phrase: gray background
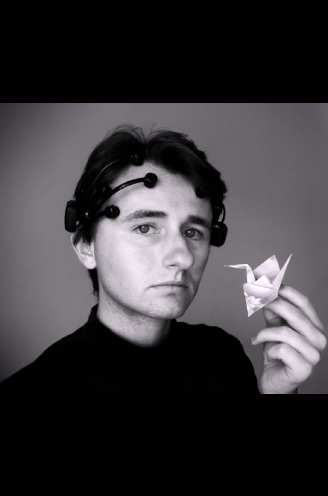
(273,156)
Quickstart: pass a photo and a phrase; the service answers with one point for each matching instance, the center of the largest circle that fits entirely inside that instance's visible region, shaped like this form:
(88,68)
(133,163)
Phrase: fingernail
(253,340)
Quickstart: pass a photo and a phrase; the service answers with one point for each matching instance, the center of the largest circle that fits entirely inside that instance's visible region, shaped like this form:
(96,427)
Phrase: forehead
(172,193)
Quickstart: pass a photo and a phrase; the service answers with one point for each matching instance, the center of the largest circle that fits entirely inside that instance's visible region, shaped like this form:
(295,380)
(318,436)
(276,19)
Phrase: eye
(144,229)
(193,233)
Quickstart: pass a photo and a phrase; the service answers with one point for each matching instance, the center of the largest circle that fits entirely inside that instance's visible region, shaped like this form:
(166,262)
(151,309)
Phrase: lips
(170,283)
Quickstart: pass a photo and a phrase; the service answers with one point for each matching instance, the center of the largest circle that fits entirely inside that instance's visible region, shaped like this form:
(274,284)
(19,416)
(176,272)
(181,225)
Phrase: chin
(168,312)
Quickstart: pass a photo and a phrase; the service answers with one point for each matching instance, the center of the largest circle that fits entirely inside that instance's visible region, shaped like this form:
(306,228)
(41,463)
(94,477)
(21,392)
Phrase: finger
(272,319)
(297,319)
(297,368)
(302,302)
(286,335)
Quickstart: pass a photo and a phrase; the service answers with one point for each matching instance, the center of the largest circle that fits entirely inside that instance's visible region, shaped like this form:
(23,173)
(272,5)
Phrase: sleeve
(237,369)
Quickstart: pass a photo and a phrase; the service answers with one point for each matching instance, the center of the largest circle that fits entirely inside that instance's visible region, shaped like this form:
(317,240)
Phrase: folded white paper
(263,283)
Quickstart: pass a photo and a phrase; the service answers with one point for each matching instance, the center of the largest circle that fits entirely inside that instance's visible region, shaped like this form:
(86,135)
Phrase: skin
(135,259)
(132,262)
(292,342)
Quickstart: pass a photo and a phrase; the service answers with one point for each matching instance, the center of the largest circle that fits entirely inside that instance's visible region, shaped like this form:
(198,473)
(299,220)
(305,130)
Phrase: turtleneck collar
(121,353)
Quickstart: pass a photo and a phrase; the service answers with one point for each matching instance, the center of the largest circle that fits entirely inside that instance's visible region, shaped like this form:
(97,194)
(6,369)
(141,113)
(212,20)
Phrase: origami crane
(263,283)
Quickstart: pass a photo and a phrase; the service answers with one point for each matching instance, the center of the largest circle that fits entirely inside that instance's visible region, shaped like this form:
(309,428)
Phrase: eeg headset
(74,215)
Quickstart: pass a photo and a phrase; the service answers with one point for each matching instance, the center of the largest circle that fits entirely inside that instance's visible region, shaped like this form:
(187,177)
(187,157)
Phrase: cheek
(199,271)
(123,261)
(201,258)
(199,266)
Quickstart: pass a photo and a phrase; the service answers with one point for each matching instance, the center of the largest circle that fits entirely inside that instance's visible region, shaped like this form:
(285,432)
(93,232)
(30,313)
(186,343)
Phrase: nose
(178,254)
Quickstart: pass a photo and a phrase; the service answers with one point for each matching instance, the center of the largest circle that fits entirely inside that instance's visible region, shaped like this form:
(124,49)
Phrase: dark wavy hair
(173,151)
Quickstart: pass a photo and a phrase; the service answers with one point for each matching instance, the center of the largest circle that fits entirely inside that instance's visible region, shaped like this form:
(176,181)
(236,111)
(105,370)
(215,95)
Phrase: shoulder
(52,367)
(68,345)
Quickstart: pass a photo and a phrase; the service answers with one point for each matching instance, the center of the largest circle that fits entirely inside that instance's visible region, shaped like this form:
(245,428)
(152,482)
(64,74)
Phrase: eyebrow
(158,214)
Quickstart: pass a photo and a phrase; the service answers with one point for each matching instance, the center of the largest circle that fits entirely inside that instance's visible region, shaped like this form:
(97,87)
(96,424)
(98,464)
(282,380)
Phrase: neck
(133,327)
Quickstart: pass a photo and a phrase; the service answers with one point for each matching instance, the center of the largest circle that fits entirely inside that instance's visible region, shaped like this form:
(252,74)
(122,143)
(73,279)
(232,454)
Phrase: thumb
(271,318)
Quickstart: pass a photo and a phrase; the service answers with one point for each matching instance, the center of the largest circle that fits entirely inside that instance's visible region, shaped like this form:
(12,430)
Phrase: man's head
(162,235)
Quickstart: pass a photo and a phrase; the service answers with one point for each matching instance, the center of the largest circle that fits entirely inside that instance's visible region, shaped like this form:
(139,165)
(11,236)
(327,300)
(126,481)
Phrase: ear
(85,253)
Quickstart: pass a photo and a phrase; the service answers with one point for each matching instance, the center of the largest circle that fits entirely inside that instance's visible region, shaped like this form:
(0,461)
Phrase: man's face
(151,258)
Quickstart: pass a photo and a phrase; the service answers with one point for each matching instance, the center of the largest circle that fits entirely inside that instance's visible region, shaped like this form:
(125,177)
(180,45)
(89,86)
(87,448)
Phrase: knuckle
(306,301)
(299,314)
(322,342)
(308,368)
(315,357)
(284,332)
(282,349)
(305,370)
(267,347)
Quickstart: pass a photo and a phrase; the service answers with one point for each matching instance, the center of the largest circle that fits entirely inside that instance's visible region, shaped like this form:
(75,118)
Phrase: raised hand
(293,342)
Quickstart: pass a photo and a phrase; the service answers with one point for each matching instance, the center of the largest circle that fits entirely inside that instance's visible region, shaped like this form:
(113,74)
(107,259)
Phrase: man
(145,213)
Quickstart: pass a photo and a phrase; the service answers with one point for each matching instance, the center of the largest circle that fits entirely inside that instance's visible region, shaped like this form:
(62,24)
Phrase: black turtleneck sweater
(194,359)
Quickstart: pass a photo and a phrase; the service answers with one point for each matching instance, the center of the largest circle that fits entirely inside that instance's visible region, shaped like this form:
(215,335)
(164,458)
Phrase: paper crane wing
(263,283)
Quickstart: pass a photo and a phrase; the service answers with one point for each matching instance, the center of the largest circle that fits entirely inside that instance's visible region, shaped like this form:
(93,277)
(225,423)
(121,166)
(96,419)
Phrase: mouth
(170,285)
